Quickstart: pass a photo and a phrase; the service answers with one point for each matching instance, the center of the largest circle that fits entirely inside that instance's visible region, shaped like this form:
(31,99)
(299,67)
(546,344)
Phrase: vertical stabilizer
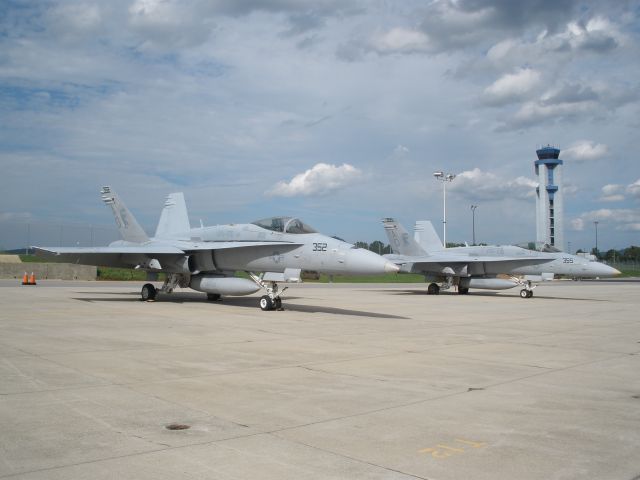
(174,220)
(426,236)
(400,240)
(129,228)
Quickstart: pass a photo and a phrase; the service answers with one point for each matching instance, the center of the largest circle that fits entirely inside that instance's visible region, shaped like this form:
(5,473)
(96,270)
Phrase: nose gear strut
(272,300)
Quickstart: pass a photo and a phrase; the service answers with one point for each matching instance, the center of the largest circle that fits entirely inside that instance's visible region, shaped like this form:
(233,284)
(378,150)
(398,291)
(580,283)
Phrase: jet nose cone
(364,262)
(391,268)
(611,272)
(602,270)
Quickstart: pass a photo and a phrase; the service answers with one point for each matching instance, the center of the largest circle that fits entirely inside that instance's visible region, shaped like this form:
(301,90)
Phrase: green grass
(629,272)
(110,273)
(33,259)
(386,278)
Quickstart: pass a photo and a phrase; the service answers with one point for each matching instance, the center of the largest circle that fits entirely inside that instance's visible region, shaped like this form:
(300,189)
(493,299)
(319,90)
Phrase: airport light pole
(473,217)
(596,224)
(444,178)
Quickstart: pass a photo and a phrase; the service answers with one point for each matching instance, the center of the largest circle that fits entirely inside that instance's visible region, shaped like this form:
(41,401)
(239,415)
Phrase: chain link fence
(628,267)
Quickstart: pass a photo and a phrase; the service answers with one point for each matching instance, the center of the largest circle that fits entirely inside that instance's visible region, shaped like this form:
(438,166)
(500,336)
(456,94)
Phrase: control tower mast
(549,204)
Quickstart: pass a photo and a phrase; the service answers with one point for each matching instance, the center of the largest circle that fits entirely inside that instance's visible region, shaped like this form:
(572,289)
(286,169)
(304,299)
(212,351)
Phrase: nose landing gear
(272,300)
(527,291)
(524,293)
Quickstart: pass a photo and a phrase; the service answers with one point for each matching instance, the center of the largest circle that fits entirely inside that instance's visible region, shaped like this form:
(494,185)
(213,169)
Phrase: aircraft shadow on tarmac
(490,294)
(246,302)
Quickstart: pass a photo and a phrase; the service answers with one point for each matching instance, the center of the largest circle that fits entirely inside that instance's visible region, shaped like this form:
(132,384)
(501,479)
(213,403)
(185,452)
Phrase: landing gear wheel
(214,297)
(463,290)
(433,289)
(266,303)
(524,293)
(277,303)
(529,293)
(148,292)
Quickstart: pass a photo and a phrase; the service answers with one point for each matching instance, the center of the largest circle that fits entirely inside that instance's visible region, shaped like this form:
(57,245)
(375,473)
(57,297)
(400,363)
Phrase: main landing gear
(149,292)
(433,289)
(272,300)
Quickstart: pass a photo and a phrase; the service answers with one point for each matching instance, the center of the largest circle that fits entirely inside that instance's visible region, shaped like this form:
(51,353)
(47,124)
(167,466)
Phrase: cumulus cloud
(458,24)
(321,179)
(577,224)
(69,21)
(533,113)
(168,24)
(478,185)
(612,193)
(401,40)
(554,49)
(611,189)
(512,87)
(598,35)
(585,151)
(634,189)
(621,219)
(569,189)
(449,25)
(573,101)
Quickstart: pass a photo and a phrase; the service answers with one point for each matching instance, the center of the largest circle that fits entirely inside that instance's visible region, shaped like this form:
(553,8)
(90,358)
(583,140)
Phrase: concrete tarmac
(349,382)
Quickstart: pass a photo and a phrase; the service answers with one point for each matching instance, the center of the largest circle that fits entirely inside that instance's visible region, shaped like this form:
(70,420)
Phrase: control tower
(549,204)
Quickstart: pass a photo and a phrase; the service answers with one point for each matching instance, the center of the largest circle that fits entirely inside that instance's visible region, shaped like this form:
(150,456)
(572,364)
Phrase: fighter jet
(482,267)
(270,251)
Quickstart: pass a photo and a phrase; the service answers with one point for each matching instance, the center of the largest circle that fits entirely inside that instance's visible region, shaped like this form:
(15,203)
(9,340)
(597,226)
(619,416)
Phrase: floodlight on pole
(473,217)
(444,178)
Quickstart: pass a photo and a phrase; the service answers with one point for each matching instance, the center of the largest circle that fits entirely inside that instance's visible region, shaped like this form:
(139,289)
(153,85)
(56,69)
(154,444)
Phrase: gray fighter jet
(206,259)
(482,267)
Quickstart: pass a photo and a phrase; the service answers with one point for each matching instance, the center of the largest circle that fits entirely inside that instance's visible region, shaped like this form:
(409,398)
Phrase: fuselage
(296,246)
(557,263)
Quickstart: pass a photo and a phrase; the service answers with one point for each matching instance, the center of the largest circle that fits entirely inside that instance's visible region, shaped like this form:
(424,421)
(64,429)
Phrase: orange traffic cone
(32,279)
(25,279)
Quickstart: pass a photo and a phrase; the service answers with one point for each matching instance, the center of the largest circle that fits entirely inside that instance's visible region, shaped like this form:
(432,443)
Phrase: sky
(334,111)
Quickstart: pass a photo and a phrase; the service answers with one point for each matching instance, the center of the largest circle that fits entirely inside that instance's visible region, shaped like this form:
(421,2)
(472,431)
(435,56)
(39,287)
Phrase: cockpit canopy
(284,225)
(539,247)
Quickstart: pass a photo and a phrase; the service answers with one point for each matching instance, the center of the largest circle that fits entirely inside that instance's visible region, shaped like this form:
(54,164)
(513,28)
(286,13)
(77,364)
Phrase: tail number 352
(319,247)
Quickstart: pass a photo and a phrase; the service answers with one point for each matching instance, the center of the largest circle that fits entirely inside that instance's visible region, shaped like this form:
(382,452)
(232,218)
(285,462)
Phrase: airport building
(549,204)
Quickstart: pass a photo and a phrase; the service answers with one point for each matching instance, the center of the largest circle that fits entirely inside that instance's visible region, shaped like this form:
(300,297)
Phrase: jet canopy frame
(539,247)
(284,225)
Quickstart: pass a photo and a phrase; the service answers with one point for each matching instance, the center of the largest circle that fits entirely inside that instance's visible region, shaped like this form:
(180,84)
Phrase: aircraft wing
(154,250)
(443,262)
(188,246)
(130,256)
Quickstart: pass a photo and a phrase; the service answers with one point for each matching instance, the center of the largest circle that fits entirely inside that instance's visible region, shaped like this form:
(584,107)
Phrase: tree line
(629,254)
